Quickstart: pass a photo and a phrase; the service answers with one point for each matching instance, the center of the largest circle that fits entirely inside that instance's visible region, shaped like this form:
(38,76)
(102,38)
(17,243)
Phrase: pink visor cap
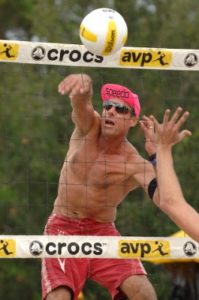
(110,91)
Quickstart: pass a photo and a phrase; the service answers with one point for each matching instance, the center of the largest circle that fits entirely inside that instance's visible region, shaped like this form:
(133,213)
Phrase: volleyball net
(162,249)
(77,55)
(71,55)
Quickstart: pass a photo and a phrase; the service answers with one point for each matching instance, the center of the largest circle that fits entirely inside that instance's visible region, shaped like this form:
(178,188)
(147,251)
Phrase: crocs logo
(39,53)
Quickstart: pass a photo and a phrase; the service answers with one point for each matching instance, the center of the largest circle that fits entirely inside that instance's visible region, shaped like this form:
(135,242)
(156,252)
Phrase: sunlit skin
(172,200)
(101,168)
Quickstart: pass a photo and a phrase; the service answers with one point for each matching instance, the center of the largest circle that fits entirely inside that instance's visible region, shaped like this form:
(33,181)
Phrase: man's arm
(79,89)
(147,126)
(172,200)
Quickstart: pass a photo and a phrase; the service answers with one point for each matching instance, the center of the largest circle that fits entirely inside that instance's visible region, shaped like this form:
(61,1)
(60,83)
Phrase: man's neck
(112,144)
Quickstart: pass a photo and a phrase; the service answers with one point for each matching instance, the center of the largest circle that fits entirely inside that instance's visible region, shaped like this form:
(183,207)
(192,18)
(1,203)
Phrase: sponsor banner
(78,55)
(145,248)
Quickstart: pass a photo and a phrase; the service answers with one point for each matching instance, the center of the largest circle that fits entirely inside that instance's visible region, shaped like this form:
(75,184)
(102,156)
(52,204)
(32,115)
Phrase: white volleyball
(103,31)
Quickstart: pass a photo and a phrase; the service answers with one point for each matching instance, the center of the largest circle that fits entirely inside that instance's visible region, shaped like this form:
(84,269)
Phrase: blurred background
(35,124)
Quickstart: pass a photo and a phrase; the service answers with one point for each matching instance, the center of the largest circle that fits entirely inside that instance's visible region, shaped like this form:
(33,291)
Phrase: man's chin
(109,131)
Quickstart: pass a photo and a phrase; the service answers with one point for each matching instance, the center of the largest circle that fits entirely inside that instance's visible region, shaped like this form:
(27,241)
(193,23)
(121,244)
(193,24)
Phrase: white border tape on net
(39,246)
(78,55)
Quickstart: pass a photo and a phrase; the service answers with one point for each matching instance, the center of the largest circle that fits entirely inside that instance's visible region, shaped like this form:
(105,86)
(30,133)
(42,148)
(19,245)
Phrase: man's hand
(147,126)
(77,86)
(79,89)
(168,133)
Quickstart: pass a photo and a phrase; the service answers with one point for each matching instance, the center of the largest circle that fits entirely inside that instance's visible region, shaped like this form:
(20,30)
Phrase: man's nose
(111,111)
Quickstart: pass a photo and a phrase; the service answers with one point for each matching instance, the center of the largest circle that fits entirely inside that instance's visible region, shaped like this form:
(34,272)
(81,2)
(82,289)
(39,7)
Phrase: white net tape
(78,55)
(147,248)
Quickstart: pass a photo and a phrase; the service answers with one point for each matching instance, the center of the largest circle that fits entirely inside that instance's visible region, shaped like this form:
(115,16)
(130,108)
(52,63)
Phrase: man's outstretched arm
(80,91)
(172,200)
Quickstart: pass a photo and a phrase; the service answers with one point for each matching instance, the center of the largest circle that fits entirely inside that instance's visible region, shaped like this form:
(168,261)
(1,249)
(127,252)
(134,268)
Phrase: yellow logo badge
(8,51)
(145,58)
(7,248)
(143,248)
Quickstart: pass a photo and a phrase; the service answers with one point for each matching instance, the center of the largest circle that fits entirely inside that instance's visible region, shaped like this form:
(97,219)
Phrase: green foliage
(15,19)
(35,122)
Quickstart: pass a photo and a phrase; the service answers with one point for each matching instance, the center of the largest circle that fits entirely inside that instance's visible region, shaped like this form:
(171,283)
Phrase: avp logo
(143,249)
(8,51)
(7,248)
(145,58)
(59,54)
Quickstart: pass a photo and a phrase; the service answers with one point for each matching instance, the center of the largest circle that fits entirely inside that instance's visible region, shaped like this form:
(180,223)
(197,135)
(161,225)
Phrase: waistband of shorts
(88,221)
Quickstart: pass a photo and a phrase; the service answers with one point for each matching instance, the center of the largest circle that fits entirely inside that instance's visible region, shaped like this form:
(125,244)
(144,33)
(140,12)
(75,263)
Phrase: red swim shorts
(73,272)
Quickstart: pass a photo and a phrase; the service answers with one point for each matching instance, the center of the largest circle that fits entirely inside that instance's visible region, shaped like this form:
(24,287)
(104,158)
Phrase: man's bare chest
(99,170)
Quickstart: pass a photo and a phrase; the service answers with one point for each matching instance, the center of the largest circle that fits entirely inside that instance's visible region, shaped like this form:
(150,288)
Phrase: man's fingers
(166,116)
(182,119)
(75,84)
(176,115)
(177,119)
(185,133)
(154,120)
(65,86)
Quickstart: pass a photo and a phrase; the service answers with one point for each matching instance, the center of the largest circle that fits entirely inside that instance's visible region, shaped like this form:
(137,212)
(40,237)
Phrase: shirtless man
(172,201)
(101,167)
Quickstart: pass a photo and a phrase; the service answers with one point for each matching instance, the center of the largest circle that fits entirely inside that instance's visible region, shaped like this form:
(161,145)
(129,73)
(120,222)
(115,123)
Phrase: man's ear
(134,121)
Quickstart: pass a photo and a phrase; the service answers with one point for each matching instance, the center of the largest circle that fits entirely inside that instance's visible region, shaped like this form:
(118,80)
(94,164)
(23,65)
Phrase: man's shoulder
(134,156)
(132,152)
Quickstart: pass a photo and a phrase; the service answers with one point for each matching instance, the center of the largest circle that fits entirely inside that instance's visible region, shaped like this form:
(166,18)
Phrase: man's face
(116,117)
